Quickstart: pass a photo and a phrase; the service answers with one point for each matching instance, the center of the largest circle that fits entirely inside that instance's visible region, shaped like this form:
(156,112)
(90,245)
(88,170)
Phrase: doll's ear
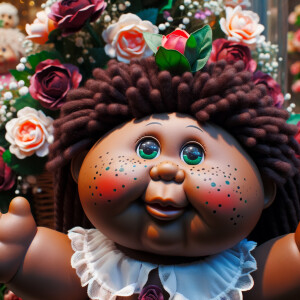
(76,164)
(269,191)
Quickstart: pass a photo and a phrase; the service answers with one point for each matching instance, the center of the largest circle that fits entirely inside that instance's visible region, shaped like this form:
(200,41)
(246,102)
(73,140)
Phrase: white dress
(109,273)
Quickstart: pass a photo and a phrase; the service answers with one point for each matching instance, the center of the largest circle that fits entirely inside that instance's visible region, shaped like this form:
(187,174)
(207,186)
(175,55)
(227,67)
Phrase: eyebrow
(194,127)
(153,123)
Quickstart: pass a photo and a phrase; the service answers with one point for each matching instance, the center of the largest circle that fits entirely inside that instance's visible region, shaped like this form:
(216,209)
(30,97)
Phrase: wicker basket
(43,202)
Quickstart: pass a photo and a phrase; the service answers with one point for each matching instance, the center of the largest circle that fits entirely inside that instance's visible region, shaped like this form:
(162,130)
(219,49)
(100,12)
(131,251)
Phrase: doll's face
(167,185)
(8,20)
(8,59)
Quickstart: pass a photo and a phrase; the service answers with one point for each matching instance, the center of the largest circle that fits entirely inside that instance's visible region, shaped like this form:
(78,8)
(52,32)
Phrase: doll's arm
(35,263)
(278,274)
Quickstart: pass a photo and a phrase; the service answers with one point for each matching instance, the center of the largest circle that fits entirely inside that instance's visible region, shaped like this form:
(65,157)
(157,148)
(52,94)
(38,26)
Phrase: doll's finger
(19,206)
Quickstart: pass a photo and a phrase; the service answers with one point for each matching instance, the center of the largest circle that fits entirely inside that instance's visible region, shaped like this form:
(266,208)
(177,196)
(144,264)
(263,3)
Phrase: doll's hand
(17,230)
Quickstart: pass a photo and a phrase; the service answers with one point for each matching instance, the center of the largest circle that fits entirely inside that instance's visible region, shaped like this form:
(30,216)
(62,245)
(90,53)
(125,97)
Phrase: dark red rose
(232,52)
(151,292)
(7,177)
(71,15)
(52,81)
(273,87)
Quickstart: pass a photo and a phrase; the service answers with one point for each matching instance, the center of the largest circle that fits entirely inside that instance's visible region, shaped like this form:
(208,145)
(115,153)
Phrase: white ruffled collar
(109,273)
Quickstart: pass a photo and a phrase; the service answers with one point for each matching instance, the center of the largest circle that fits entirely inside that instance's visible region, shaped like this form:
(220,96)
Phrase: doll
(8,15)
(174,173)
(11,51)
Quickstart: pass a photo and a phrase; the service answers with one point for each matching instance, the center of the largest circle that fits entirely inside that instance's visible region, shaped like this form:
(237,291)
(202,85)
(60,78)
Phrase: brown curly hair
(222,93)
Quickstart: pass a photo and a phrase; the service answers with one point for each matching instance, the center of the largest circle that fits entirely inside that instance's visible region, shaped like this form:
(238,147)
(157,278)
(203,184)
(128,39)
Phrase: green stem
(93,34)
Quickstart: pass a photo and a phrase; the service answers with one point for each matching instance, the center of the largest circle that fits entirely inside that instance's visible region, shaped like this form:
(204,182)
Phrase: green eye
(148,148)
(192,154)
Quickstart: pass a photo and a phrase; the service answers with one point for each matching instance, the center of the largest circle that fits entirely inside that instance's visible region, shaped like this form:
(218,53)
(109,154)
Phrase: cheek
(223,195)
(112,183)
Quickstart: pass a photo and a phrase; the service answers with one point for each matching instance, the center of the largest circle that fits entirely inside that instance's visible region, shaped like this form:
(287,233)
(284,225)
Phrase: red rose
(273,87)
(176,40)
(151,292)
(232,52)
(52,81)
(71,15)
(7,177)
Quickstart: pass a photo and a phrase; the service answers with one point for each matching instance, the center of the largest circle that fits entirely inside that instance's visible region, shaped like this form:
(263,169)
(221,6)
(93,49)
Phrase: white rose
(242,26)
(125,38)
(31,132)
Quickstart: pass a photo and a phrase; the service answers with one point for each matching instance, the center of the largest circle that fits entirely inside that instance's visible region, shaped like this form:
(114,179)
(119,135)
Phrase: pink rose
(234,3)
(296,86)
(232,52)
(11,296)
(151,292)
(296,40)
(273,87)
(176,40)
(7,177)
(295,68)
(297,136)
(52,81)
(71,15)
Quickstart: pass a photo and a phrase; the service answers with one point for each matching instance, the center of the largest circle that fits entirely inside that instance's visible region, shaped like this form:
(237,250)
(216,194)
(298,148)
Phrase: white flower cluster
(215,6)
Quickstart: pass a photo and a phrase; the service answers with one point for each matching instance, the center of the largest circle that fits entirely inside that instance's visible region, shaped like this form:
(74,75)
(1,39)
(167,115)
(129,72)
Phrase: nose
(167,171)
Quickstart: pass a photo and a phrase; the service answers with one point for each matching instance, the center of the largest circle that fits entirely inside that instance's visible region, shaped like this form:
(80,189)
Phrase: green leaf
(149,14)
(28,166)
(294,119)
(167,6)
(153,40)
(297,21)
(199,55)
(100,57)
(20,76)
(35,59)
(3,142)
(28,101)
(172,60)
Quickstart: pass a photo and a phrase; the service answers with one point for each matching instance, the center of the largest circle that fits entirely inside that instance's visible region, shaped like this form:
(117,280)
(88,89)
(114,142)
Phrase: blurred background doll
(11,51)
(8,15)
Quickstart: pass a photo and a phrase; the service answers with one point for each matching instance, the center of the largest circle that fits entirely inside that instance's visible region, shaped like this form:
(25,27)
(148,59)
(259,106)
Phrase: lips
(164,212)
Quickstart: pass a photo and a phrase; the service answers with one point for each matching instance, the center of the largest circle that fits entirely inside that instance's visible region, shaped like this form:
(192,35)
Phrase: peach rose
(39,30)
(31,132)
(234,3)
(295,68)
(125,38)
(242,26)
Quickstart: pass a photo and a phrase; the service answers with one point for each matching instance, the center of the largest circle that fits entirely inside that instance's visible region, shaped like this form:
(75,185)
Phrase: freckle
(225,176)
(228,165)
(231,219)
(244,179)
(245,201)
(205,179)
(94,178)
(114,190)
(197,187)
(125,173)
(218,190)
(235,169)
(234,209)
(100,156)
(116,169)
(100,174)
(92,194)
(121,169)
(204,173)
(214,211)
(95,203)
(192,173)
(198,170)
(213,184)
(241,199)
(100,195)
(238,187)
(238,216)
(123,186)
(203,168)
(96,188)
(107,168)
(97,172)
(220,205)
(206,202)
(228,195)
(116,175)
(227,182)
(90,187)
(107,152)
(145,166)
(134,166)
(135,178)
(234,178)
(234,223)
(108,201)
(95,166)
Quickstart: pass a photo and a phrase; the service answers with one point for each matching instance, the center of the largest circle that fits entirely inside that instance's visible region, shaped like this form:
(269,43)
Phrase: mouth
(164,212)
